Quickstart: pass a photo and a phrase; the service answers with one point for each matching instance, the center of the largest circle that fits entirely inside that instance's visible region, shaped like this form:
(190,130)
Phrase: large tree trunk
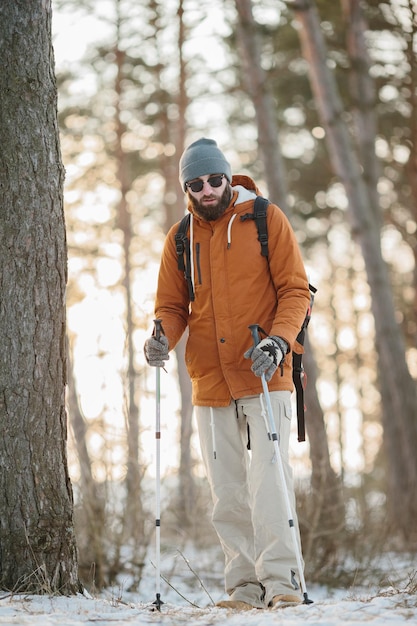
(92,506)
(256,85)
(325,518)
(134,515)
(37,543)
(187,487)
(363,97)
(399,406)
(329,513)
(411,167)
(174,211)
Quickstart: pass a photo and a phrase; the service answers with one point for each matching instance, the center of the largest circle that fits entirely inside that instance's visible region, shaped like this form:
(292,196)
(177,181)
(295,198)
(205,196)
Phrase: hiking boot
(283,600)
(235,604)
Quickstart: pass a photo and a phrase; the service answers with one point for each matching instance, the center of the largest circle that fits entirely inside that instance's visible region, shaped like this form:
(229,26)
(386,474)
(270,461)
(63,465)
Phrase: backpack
(184,265)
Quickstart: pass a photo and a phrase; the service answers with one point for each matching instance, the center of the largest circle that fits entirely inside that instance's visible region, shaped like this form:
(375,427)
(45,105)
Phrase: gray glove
(156,351)
(267,356)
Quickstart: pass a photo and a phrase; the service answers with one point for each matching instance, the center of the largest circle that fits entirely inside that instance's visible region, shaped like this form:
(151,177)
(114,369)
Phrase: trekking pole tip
(307,599)
(158,602)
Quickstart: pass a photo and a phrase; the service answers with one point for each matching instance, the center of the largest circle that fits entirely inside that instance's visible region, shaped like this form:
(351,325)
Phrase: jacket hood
(246,182)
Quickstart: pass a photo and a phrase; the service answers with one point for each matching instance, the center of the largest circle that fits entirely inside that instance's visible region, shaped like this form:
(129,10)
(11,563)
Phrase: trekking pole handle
(254,329)
(158,328)
(157,333)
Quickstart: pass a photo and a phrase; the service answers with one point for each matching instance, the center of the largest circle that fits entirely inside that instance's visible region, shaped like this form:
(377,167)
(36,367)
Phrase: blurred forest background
(316,101)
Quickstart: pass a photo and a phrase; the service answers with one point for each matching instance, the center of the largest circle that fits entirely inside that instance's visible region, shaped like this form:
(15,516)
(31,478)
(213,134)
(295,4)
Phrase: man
(235,286)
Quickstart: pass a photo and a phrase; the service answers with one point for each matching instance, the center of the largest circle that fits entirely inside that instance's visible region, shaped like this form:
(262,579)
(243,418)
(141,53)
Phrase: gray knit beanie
(203,158)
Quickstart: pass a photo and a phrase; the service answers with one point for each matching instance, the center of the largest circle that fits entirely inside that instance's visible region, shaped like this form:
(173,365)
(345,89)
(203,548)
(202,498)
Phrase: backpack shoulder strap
(182,246)
(259,211)
(181,240)
(260,207)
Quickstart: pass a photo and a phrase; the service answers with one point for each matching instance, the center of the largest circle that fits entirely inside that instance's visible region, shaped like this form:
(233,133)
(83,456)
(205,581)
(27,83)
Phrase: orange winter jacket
(235,286)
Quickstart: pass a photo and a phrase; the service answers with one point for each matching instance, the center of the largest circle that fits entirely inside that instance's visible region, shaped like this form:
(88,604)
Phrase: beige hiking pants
(249,511)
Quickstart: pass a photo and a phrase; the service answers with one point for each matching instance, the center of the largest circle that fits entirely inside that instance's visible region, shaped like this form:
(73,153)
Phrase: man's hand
(267,356)
(156,351)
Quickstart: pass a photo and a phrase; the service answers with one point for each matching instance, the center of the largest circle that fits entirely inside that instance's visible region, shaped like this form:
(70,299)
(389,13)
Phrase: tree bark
(323,475)
(328,510)
(399,406)
(37,543)
(363,96)
(411,166)
(134,515)
(256,84)
(92,514)
(174,211)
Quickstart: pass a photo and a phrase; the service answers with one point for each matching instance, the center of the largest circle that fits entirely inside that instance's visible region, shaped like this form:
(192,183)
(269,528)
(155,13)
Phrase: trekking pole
(254,328)
(158,602)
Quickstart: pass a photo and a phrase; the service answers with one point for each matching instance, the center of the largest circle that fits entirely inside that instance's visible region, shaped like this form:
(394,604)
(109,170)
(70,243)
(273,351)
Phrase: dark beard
(211,213)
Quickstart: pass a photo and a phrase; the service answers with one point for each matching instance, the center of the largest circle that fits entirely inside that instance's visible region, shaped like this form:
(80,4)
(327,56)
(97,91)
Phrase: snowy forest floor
(195,583)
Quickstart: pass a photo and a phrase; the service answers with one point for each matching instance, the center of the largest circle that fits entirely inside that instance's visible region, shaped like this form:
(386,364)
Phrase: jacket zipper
(197,254)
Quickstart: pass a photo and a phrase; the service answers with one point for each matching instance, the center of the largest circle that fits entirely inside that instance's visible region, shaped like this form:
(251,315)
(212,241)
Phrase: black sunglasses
(213,181)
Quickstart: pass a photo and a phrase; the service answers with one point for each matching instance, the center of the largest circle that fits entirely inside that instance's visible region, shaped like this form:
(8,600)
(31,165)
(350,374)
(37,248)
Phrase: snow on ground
(189,598)
(391,607)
